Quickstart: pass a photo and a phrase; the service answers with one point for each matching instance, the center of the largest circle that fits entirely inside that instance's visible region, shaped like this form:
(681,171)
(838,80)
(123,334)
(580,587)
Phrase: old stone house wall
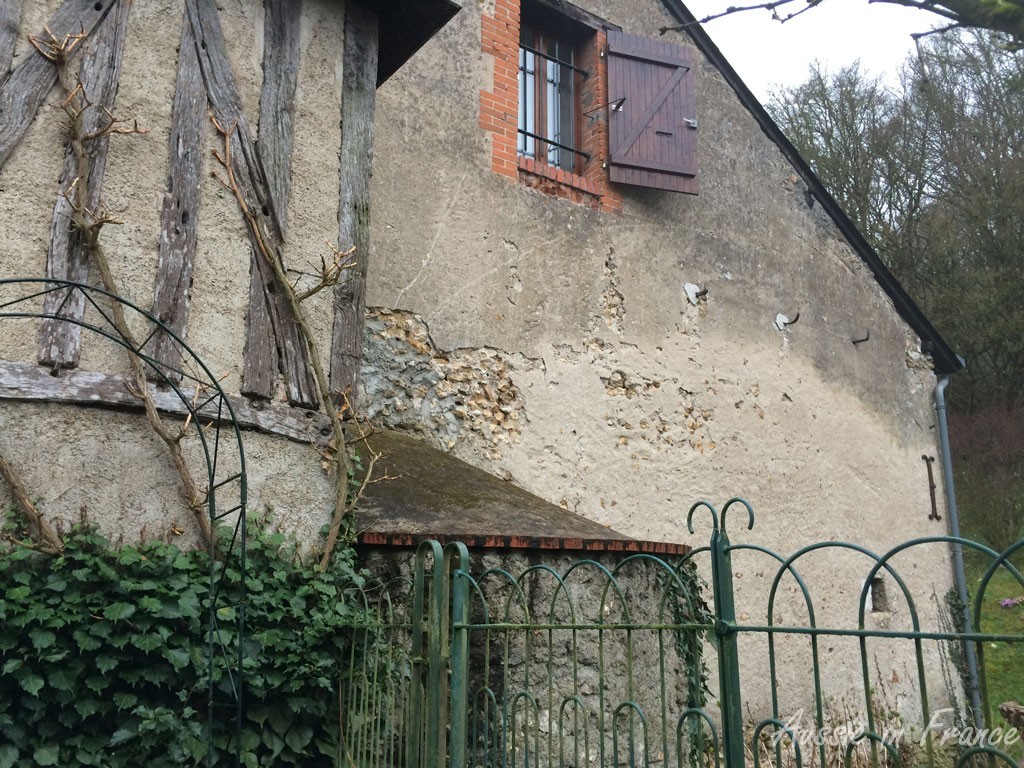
(548,342)
(552,343)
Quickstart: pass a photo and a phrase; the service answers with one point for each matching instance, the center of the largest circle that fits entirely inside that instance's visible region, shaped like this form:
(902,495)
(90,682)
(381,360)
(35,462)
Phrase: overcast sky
(767,53)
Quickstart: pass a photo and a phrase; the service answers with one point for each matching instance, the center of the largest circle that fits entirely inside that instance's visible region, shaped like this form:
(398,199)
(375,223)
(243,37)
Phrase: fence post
(425,734)
(728,650)
(457,576)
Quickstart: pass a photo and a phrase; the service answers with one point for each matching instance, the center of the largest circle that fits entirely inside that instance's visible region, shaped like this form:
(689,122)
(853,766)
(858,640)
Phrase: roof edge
(404,27)
(944,359)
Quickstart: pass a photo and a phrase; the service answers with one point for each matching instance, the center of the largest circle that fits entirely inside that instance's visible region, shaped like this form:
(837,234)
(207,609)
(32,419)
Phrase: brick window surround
(499,116)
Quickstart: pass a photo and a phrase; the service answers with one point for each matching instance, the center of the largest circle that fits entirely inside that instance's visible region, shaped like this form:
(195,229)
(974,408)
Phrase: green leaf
(41,638)
(47,755)
(118,611)
(61,679)
(86,642)
(298,737)
(121,736)
(8,755)
(178,657)
(32,684)
(18,593)
(105,663)
(188,602)
(12,665)
(226,614)
(96,683)
(129,557)
(147,643)
(86,706)
(182,563)
(125,700)
(151,605)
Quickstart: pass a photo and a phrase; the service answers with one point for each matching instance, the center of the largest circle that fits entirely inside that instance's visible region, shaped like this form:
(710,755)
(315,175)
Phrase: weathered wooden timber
(283,347)
(81,183)
(10,13)
(172,293)
(24,381)
(358,89)
(25,89)
(277,99)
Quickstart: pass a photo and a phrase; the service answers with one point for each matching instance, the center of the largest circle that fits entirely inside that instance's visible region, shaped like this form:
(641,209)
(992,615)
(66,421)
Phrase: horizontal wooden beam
(24,381)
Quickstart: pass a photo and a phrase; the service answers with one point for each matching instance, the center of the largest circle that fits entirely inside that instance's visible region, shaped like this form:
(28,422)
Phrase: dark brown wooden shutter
(652,137)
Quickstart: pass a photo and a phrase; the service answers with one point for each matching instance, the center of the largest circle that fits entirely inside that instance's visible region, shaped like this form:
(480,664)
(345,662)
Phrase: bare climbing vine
(88,222)
(337,456)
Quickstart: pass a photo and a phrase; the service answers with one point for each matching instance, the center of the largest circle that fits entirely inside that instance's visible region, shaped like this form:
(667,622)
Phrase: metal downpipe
(959,574)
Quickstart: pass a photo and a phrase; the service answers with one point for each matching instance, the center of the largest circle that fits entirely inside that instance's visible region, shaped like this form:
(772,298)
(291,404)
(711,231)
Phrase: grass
(1003,662)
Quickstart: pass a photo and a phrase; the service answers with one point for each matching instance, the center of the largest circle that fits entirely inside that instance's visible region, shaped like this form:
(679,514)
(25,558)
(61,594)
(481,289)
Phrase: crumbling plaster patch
(452,396)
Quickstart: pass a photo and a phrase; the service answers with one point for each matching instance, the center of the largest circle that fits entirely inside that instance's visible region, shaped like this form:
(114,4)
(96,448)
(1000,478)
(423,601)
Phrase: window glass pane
(552,108)
(527,102)
(566,116)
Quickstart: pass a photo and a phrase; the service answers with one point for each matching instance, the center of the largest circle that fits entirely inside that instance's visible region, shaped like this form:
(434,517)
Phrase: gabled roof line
(944,359)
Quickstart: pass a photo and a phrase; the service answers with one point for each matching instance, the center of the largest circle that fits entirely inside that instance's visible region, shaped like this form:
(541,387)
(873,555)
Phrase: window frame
(536,144)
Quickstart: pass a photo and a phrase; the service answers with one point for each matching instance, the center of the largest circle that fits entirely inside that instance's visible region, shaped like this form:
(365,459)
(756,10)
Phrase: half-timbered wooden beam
(10,15)
(179,222)
(358,93)
(85,160)
(277,99)
(23,381)
(273,340)
(25,89)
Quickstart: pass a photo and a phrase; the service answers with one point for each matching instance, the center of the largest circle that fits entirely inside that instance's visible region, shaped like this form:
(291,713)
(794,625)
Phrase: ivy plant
(103,658)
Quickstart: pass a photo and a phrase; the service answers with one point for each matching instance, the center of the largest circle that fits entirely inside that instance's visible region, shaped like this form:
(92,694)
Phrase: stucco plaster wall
(88,462)
(633,403)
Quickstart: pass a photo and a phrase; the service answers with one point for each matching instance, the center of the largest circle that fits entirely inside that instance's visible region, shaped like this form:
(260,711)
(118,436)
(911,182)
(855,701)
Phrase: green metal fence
(530,661)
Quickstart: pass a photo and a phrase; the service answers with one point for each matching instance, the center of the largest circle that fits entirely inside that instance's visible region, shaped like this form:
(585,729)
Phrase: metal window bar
(580,152)
(573,67)
(556,106)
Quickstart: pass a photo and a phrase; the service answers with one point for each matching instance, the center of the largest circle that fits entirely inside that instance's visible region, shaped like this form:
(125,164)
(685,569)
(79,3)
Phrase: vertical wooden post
(180,216)
(358,93)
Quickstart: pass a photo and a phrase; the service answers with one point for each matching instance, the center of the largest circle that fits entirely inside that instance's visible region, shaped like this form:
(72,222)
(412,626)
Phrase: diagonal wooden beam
(179,221)
(281,49)
(273,340)
(68,253)
(10,14)
(24,91)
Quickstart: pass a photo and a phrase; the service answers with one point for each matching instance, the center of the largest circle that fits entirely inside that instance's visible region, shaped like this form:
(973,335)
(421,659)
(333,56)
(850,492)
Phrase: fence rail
(500,661)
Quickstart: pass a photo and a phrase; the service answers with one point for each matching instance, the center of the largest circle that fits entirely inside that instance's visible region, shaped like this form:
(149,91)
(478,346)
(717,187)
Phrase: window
(548,100)
(579,109)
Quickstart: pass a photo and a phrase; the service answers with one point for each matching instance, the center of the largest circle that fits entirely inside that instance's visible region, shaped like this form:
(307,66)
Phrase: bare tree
(933,174)
(1002,16)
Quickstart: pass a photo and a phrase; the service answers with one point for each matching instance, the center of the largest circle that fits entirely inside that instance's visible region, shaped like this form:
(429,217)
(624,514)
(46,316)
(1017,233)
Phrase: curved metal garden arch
(209,412)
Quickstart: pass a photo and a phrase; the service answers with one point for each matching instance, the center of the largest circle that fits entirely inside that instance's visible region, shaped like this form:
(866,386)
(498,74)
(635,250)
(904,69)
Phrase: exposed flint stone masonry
(411,386)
